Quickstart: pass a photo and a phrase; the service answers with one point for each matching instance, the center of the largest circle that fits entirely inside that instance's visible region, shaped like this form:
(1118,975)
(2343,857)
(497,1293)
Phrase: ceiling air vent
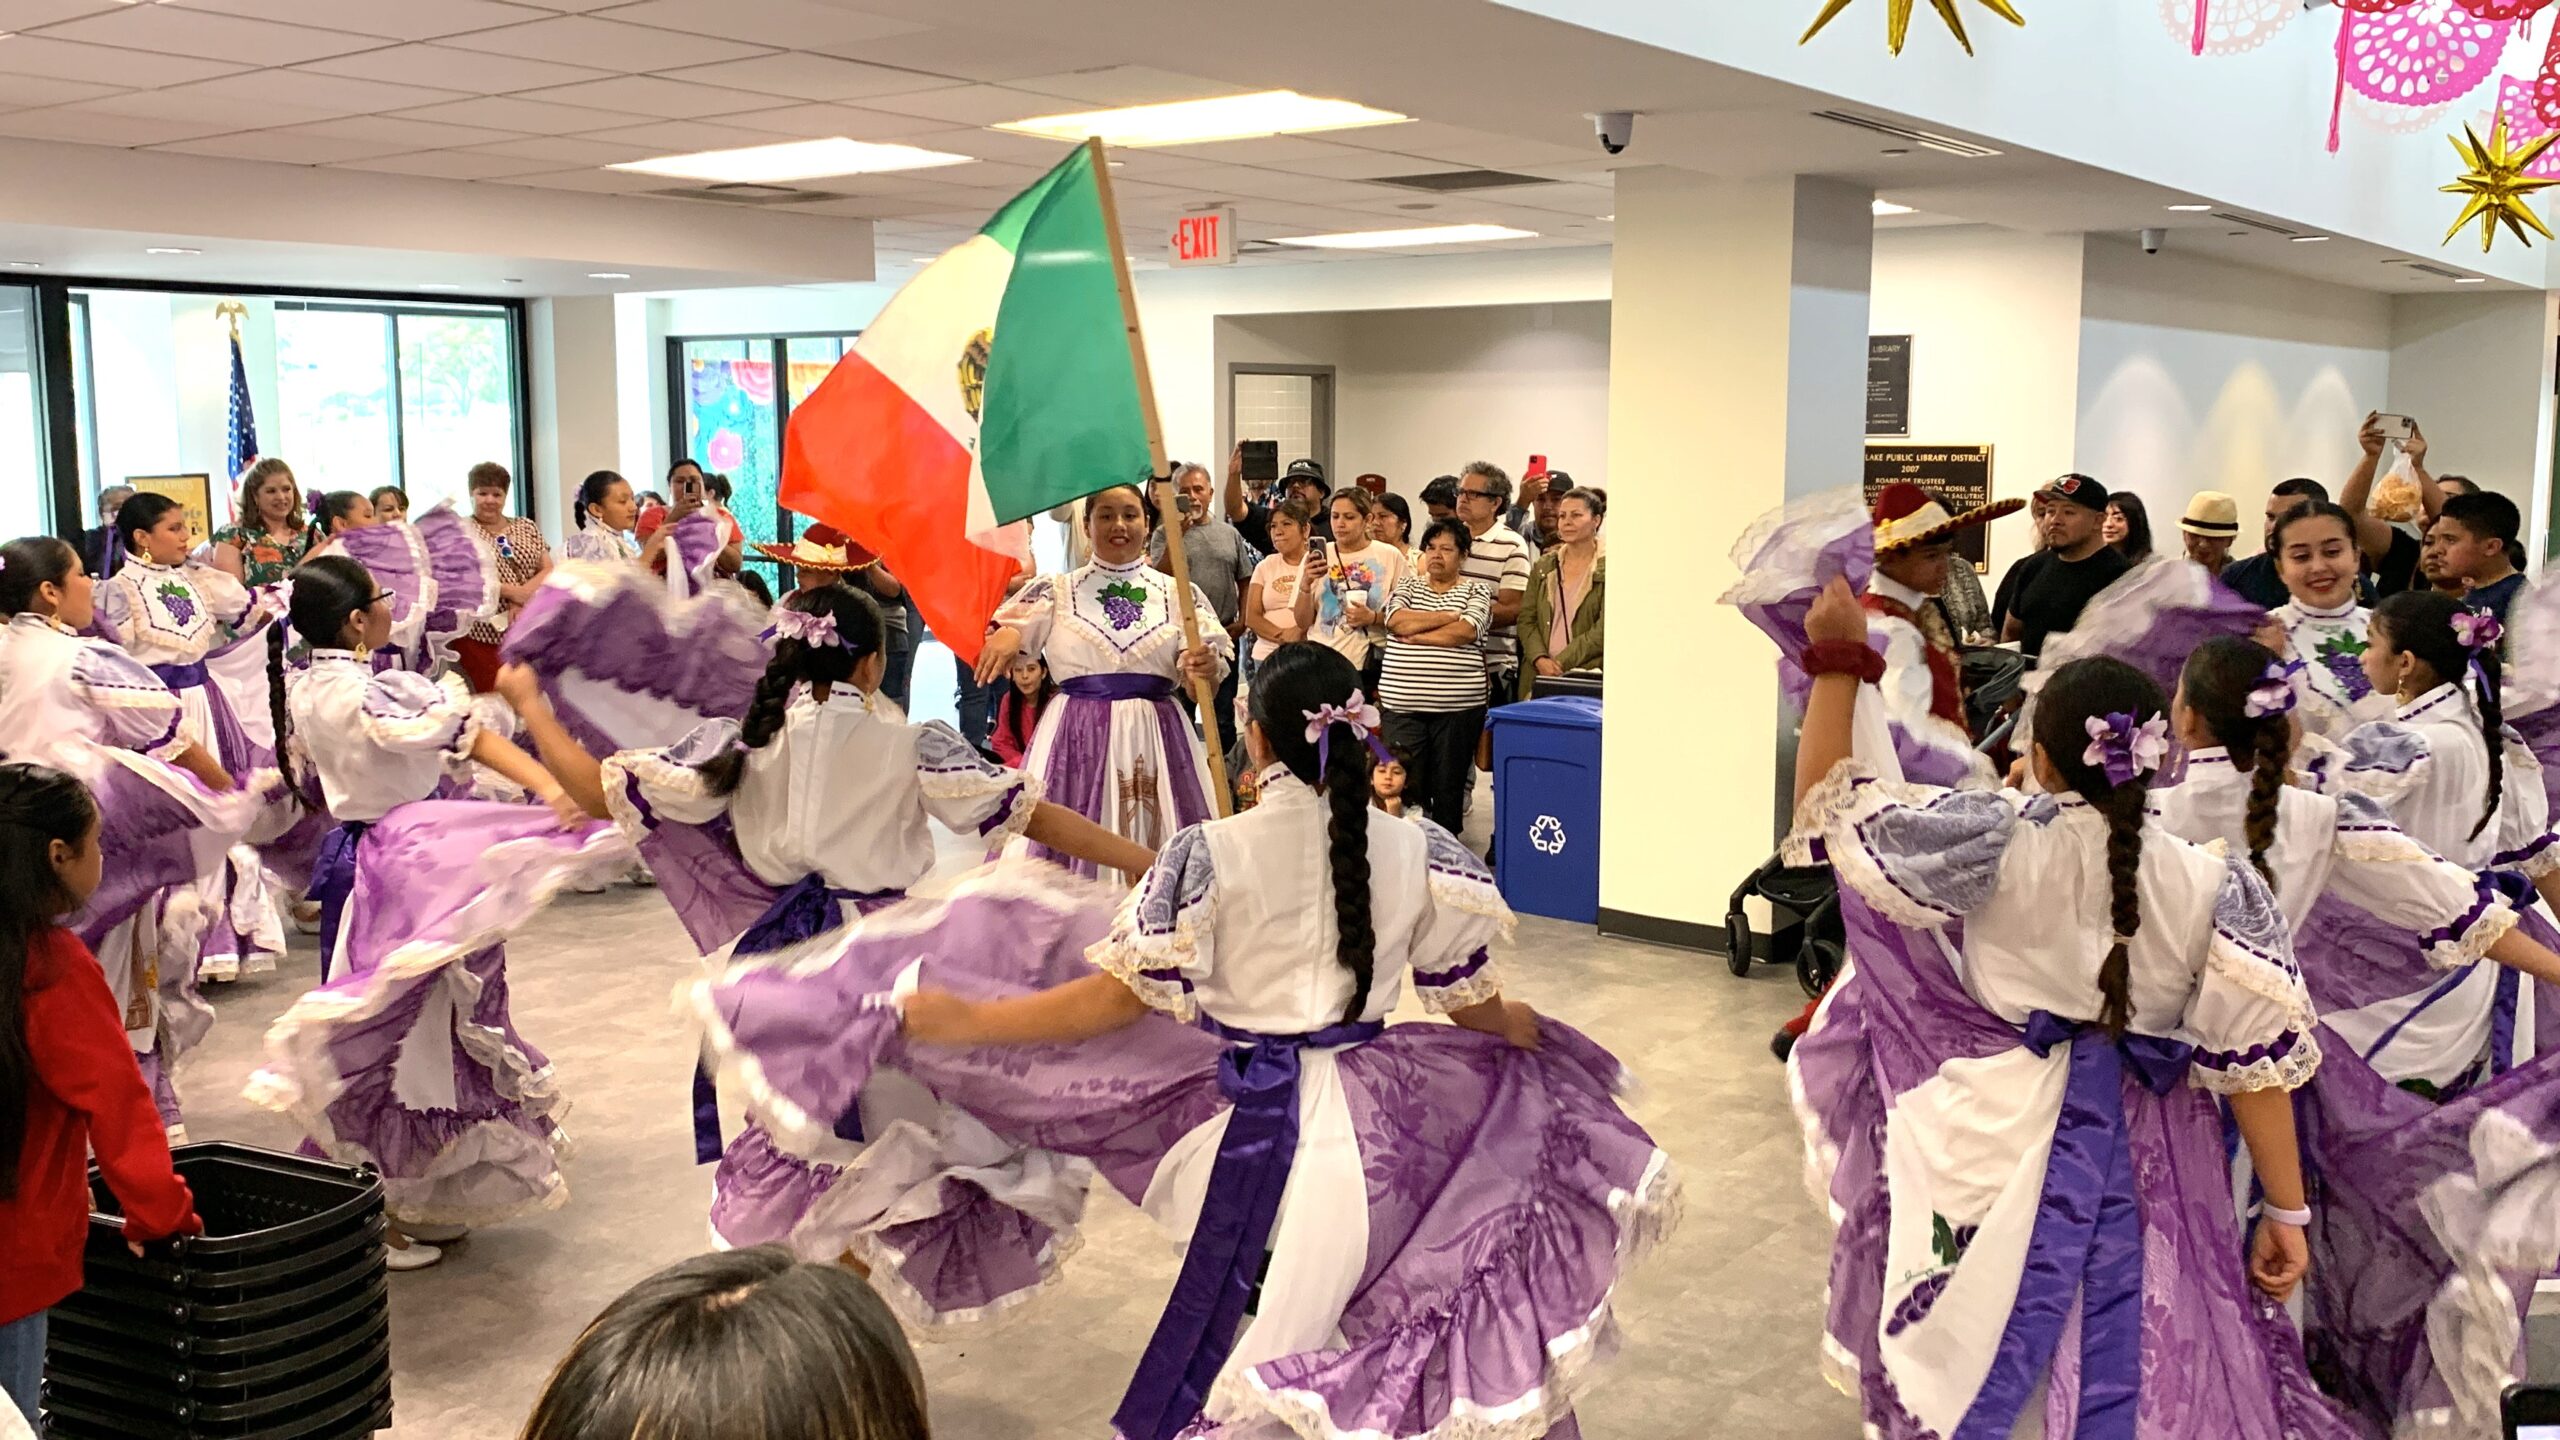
(749,194)
(2254,223)
(1925,139)
(1446,181)
(2423,268)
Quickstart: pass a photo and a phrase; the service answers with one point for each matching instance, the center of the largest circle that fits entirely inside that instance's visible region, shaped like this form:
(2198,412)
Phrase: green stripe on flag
(1060,418)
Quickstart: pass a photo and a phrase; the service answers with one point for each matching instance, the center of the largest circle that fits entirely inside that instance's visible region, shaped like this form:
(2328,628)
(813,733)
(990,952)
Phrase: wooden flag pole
(1204,692)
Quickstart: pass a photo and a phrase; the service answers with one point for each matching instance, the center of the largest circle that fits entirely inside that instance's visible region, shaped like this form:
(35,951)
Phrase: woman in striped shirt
(1433,685)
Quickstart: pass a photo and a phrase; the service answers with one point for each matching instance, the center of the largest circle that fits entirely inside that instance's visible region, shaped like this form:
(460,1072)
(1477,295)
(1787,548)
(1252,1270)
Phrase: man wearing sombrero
(1922,690)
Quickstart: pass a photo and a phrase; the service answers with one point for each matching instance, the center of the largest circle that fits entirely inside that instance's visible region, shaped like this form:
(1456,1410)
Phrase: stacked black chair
(274,1324)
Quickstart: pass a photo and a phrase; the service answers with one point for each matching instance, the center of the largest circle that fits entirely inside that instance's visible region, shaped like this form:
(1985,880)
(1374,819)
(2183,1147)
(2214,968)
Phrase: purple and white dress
(1116,749)
(408,1057)
(829,822)
(2035,1227)
(2335,697)
(196,629)
(629,663)
(441,576)
(2151,618)
(2530,699)
(600,544)
(1426,1223)
(2418,1023)
(89,709)
(2401,1315)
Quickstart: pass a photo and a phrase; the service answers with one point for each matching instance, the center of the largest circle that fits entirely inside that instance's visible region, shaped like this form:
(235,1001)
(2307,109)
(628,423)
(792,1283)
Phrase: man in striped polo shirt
(1499,557)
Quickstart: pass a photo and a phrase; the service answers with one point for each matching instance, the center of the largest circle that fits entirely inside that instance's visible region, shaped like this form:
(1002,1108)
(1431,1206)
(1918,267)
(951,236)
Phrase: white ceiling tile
(502,112)
(288,147)
(968,104)
(563,151)
(803,76)
(99,65)
(68,123)
(974,54)
(650,96)
(1427,138)
(171,30)
(1501,152)
(449,164)
(585,40)
(575,7)
(1264,150)
(820,122)
(395,19)
(686,137)
(27,92)
(395,136)
(28,14)
(214,114)
(1114,85)
(868,207)
(253,94)
(1348,163)
(594,181)
(464,70)
(797,24)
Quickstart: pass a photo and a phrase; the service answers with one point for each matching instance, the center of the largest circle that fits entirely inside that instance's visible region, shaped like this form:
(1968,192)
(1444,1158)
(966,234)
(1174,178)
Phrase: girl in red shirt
(68,1080)
(1018,713)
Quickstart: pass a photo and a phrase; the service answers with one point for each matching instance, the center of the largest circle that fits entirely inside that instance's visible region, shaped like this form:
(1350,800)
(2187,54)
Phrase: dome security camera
(1615,128)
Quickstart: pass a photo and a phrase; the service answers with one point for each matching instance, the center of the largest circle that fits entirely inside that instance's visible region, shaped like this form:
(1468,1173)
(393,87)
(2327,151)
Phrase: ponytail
(2123,807)
(2082,691)
(857,633)
(2421,623)
(1288,687)
(280,714)
(2217,684)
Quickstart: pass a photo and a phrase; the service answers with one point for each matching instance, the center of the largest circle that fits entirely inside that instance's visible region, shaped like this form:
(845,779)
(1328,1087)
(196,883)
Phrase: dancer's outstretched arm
(1080,1009)
(578,773)
(1069,833)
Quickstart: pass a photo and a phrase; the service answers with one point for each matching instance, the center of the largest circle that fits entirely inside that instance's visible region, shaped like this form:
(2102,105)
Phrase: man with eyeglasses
(1499,557)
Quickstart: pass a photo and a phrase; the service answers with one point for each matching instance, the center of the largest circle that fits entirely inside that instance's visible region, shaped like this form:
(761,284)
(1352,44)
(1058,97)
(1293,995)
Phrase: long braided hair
(328,591)
(2421,623)
(2215,685)
(2076,693)
(1297,678)
(859,631)
(38,806)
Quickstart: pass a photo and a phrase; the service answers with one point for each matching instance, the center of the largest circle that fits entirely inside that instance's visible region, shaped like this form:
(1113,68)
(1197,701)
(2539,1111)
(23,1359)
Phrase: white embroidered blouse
(56,687)
(2212,961)
(378,741)
(169,614)
(1106,619)
(842,791)
(2336,697)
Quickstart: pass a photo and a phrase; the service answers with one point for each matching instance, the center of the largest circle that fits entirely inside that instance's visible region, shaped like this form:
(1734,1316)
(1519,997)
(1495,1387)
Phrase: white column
(1737,380)
(2476,372)
(576,409)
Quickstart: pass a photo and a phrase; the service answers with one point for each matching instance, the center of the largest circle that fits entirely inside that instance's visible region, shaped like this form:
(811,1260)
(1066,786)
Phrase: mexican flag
(997,385)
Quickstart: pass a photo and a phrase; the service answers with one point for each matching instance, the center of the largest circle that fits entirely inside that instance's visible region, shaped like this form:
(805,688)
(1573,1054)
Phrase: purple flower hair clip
(807,628)
(2274,694)
(2477,629)
(1355,712)
(2124,749)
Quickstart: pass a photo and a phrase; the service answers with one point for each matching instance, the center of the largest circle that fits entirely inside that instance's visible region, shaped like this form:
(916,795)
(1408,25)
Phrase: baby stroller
(1814,940)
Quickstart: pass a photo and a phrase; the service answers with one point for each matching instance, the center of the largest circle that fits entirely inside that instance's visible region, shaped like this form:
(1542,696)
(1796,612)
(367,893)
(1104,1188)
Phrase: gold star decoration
(2496,182)
(1897,20)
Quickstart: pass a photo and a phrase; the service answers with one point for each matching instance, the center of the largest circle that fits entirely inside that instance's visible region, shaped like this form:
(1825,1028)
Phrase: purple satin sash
(809,908)
(2087,1241)
(1222,1267)
(1118,685)
(333,879)
(182,677)
(1078,765)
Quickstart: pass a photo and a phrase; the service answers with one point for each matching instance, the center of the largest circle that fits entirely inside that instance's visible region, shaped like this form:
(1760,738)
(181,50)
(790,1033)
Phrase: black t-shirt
(2397,570)
(1256,528)
(2255,580)
(2051,591)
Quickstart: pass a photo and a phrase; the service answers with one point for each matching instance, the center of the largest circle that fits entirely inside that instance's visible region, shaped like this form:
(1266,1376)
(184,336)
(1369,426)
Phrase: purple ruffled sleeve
(409,713)
(1160,943)
(2388,875)
(968,793)
(1922,856)
(2384,760)
(644,787)
(135,711)
(2250,1017)
(1453,965)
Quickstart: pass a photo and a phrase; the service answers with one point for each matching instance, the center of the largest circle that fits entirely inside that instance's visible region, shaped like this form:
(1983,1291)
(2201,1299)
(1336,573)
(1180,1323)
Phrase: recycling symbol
(1546,834)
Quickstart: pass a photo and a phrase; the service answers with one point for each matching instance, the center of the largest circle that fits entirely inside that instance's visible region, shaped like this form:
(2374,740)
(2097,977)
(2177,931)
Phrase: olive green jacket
(1582,648)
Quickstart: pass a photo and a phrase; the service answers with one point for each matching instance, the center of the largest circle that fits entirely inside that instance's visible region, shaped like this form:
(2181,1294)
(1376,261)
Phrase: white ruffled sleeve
(966,792)
(1032,610)
(1160,944)
(2383,760)
(135,710)
(409,714)
(225,598)
(643,788)
(1453,964)
(2526,841)
(2402,883)
(2250,1017)
(1921,855)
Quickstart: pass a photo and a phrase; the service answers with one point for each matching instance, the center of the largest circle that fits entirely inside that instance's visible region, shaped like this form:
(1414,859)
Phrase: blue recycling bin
(1546,806)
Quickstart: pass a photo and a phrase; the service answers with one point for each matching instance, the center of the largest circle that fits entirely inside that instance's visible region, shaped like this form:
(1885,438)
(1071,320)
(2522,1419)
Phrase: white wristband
(2295,1218)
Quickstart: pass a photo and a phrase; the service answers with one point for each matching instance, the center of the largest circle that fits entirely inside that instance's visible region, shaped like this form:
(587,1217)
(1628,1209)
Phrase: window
(22,499)
(457,401)
(729,414)
(1291,406)
(333,385)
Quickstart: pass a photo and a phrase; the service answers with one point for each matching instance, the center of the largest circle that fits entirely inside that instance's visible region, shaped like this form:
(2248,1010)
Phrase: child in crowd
(390,504)
(1386,784)
(408,1059)
(2009,1102)
(1018,713)
(606,513)
(69,1087)
(742,1342)
(342,510)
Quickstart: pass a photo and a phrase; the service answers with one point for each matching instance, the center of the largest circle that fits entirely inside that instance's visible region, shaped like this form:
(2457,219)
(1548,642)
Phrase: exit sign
(1205,238)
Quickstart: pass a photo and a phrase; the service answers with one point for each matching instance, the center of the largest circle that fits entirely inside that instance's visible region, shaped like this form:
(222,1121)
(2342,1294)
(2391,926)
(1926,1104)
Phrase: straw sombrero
(822,548)
(1906,515)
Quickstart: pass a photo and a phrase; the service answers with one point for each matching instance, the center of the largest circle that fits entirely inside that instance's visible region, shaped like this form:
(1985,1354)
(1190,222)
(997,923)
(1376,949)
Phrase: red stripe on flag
(864,458)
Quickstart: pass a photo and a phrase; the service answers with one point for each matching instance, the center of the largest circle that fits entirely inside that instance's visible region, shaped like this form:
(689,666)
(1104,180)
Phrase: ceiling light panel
(1406,239)
(1195,122)
(1887,207)
(796,160)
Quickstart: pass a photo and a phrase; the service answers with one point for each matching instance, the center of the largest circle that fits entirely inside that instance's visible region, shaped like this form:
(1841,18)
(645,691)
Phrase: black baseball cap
(1304,470)
(2083,490)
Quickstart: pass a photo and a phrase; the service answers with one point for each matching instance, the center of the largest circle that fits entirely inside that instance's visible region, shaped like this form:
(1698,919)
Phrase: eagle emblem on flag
(973,370)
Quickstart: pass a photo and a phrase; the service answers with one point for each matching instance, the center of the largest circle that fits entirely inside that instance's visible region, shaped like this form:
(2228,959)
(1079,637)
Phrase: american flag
(243,452)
